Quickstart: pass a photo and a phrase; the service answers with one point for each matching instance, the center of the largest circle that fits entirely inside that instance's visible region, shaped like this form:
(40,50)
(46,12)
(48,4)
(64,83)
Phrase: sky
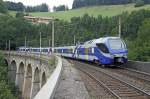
(50,3)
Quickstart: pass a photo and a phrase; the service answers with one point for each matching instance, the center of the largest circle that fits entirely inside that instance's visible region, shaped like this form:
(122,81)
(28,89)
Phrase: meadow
(109,10)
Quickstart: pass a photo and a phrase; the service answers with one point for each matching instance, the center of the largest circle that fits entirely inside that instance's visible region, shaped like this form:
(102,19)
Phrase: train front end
(118,50)
(112,51)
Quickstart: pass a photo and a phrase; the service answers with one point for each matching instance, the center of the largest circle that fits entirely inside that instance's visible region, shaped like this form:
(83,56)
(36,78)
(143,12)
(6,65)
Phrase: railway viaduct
(37,75)
(29,72)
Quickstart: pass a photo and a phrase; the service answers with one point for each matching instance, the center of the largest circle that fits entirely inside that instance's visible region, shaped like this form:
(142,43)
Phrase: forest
(84,3)
(20,7)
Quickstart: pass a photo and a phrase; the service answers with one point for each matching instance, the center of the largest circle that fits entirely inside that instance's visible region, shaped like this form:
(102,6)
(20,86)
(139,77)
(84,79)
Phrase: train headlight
(125,56)
(120,60)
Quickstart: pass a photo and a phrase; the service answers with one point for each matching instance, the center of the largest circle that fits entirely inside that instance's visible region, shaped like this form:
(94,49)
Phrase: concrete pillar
(9,72)
(17,77)
(23,90)
(12,70)
(20,76)
(36,83)
(27,83)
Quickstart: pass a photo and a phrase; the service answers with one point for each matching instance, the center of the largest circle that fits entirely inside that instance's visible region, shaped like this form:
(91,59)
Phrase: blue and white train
(105,51)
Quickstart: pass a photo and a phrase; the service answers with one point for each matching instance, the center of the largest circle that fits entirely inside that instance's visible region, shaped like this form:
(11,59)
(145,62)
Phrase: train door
(86,56)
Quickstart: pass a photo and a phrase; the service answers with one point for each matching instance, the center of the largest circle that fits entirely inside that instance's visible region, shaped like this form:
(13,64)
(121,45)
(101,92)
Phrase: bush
(139,54)
(7,91)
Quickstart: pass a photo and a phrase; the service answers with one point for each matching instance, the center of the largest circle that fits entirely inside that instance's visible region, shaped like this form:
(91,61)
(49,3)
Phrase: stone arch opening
(21,73)
(6,62)
(43,79)
(12,71)
(36,82)
(28,82)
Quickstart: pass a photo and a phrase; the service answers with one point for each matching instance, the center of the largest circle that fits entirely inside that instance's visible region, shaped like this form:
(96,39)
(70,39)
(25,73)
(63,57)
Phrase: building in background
(37,20)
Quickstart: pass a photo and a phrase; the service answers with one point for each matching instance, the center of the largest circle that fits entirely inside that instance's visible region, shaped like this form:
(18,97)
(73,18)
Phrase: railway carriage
(34,49)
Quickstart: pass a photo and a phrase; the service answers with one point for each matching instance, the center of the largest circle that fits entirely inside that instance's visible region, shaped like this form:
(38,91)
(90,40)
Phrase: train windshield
(102,47)
(116,44)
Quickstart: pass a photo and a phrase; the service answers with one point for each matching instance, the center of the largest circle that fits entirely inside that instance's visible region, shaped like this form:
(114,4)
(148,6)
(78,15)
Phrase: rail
(101,83)
(112,81)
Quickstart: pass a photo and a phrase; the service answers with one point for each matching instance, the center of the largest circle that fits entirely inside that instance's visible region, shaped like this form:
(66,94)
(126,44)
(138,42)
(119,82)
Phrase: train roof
(100,40)
(22,47)
(86,44)
(64,47)
(90,43)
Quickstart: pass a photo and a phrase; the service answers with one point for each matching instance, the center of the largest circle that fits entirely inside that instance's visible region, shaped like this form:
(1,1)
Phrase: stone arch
(43,78)
(12,71)
(6,62)
(28,82)
(20,75)
(36,82)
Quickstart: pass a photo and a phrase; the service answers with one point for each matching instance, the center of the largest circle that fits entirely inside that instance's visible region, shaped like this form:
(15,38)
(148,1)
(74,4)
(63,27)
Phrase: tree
(15,6)
(139,48)
(139,3)
(19,15)
(146,1)
(44,8)
(3,8)
(60,8)
(143,36)
(40,8)
(83,3)
(132,22)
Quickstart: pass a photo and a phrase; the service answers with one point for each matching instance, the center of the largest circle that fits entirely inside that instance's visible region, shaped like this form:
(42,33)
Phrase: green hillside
(109,10)
(95,11)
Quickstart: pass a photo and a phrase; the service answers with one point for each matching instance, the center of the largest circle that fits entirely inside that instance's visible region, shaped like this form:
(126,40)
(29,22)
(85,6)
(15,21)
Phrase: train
(34,49)
(103,51)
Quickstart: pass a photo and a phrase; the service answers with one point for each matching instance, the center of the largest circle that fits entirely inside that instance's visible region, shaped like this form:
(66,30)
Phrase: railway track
(118,87)
(95,88)
(136,78)
(134,73)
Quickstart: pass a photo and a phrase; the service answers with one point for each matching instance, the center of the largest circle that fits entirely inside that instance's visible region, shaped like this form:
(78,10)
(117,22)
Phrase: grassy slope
(110,10)
(13,13)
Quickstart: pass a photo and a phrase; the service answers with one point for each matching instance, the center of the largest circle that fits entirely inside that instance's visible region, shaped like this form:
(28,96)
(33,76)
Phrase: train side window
(59,51)
(77,51)
(92,50)
(102,47)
